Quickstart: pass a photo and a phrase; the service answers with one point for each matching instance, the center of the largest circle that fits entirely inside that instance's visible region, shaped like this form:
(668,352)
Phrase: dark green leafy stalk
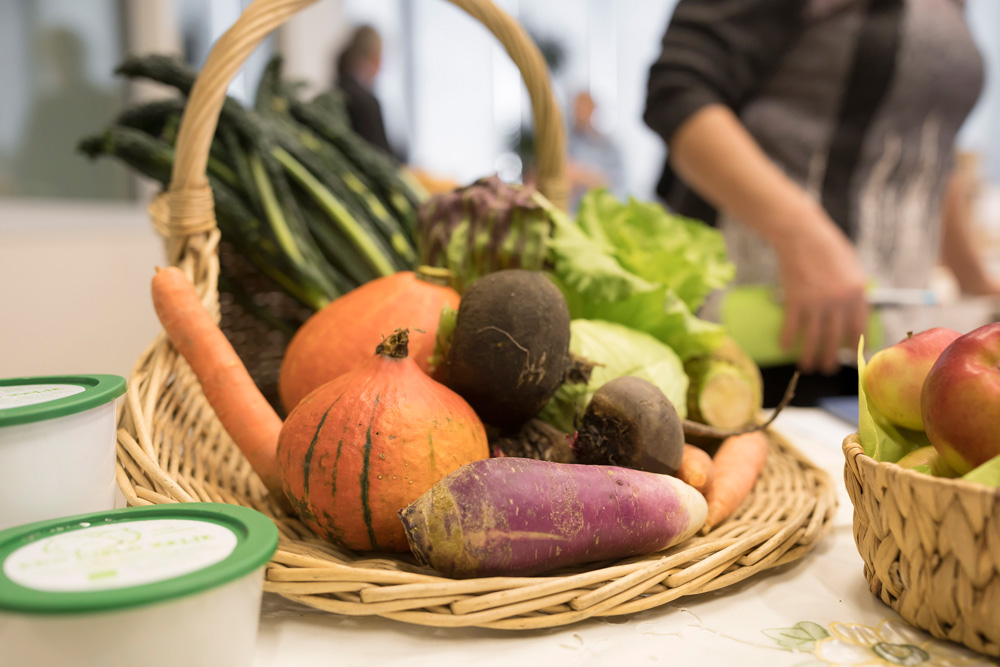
(151,117)
(332,168)
(219,168)
(329,165)
(241,164)
(325,116)
(154,159)
(293,214)
(254,130)
(290,231)
(312,154)
(269,97)
(335,246)
(308,203)
(168,70)
(273,210)
(336,210)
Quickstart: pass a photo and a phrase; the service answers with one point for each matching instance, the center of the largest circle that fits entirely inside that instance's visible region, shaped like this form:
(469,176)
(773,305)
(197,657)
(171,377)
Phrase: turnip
(519,517)
(630,423)
(509,350)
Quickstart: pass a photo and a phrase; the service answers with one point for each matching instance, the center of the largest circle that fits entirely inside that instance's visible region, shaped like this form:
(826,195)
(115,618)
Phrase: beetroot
(518,517)
(630,423)
(509,351)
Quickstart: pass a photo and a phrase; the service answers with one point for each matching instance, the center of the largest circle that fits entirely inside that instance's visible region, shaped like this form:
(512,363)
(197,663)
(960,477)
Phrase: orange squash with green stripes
(342,335)
(360,448)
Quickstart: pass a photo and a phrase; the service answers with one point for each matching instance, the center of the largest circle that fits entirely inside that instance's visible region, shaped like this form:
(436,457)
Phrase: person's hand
(824,291)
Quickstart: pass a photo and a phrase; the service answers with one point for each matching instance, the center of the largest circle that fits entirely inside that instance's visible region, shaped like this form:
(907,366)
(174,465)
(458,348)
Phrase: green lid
(130,557)
(24,400)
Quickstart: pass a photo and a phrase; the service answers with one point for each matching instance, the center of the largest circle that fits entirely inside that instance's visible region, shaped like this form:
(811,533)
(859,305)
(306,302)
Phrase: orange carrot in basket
(738,463)
(244,412)
(696,468)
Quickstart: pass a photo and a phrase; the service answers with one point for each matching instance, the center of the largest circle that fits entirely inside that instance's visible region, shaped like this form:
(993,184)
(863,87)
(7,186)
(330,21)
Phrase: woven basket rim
(172,448)
(853,449)
(929,547)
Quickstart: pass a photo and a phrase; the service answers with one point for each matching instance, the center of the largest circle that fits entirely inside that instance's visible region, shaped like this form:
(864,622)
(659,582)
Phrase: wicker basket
(172,448)
(931,547)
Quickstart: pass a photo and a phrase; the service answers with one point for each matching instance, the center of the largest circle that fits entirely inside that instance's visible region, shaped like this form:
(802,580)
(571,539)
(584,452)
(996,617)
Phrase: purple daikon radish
(519,517)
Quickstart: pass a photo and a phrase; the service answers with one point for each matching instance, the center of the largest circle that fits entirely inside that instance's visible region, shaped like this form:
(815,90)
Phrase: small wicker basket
(931,547)
(172,448)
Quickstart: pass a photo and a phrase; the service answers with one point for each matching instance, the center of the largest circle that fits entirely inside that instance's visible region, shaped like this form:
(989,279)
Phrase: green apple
(961,400)
(928,456)
(895,376)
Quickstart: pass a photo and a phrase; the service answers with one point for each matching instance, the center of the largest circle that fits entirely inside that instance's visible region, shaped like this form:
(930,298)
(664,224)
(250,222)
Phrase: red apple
(961,400)
(895,376)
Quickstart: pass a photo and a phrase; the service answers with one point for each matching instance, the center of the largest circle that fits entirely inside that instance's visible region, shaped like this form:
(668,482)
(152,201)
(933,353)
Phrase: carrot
(696,468)
(738,463)
(244,412)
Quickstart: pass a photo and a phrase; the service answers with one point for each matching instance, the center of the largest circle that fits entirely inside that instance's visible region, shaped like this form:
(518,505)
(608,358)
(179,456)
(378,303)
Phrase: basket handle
(191,205)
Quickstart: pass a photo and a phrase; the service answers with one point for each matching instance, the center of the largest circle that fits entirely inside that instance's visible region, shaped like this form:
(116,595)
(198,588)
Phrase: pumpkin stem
(395,345)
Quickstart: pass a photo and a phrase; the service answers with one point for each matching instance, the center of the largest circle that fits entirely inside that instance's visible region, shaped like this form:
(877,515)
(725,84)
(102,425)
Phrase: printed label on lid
(30,394)
(119,555)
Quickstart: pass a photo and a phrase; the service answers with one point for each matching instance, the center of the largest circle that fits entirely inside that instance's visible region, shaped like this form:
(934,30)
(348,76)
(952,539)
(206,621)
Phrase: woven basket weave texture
(931,547)
(172,448)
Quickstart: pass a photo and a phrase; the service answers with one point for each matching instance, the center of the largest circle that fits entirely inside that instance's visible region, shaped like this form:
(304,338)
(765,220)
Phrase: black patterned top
(858,101)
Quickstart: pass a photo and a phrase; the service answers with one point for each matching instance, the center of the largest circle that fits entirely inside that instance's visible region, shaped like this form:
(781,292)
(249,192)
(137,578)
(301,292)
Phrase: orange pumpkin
(341,336)
(362,447)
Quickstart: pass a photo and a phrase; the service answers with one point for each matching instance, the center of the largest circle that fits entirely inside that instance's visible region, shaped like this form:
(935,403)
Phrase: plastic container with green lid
(57,446)
(163,585)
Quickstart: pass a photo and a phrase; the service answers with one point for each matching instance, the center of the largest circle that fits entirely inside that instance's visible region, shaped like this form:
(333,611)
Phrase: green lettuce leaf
(637,265)
(618,351)
(585,267)
(684,255)
(987,473)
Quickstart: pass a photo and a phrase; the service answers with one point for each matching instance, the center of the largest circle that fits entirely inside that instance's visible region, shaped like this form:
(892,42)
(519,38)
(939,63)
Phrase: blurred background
(76,246)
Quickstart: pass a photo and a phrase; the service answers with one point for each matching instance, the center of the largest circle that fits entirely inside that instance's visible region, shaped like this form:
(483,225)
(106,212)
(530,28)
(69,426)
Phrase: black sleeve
(716,52)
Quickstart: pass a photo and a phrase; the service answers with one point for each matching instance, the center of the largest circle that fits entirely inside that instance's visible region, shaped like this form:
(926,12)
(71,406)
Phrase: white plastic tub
(174,585)
(57,446)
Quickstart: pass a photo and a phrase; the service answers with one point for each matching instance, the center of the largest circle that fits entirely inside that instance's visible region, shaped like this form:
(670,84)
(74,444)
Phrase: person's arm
(715,55)
(958,246)
(822,279)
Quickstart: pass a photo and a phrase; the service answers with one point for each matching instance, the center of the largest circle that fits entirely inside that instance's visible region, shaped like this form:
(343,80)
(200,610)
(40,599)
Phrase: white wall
(75,287)
(981,132)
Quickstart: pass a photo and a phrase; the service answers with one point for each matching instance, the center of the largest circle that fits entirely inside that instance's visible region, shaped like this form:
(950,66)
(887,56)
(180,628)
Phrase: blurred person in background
(358,65)
(594,160)
(818,135)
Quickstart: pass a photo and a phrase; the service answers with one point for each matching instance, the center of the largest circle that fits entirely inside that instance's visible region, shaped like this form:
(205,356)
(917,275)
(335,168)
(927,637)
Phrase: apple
(961,400)
(930,457)
(895,375)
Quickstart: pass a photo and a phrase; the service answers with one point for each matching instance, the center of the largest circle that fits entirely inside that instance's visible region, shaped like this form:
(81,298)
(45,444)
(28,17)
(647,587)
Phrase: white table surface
(735,626)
